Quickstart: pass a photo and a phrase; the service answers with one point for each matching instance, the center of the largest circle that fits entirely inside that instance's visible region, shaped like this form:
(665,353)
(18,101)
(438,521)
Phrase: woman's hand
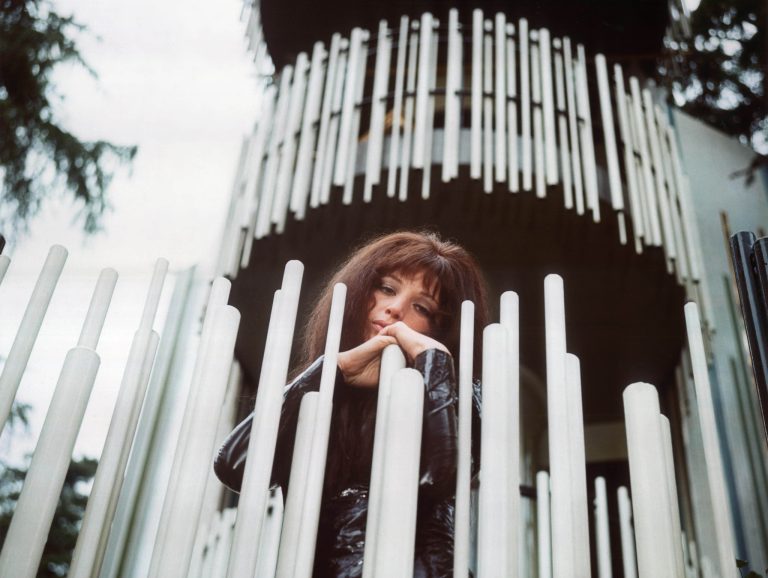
(411,342)
(360,366)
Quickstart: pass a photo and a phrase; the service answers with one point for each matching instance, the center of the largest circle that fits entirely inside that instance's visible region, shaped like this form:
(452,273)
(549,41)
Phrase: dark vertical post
(752,283)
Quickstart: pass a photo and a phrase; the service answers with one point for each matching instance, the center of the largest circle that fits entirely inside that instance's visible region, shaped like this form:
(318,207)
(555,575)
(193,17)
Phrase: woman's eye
(386,289)
(422,310)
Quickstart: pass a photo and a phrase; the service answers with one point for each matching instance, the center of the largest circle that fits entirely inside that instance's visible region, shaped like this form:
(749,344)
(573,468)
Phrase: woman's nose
(394,309)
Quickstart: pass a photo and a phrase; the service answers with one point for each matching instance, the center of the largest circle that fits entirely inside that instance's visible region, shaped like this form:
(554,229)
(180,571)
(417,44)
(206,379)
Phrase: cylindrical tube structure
(674,511)
(310,516)
(258,466)
(493,531)
(464,465)
(629,562)
(266,562)
(650,502)
(97,311)
(18,356)
(602,530)
(712,457)
(5,262)
(392,361)
(400,487)
(543,525)
(28,531)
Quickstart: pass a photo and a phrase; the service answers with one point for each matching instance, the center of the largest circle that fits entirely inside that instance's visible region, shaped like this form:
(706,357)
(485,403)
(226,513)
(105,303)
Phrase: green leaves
(37,156)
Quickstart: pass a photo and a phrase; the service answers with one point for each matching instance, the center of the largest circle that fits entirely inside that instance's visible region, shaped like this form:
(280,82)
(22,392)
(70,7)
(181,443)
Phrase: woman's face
(402,298)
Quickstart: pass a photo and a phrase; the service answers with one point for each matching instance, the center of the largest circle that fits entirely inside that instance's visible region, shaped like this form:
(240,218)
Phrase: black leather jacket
(341,534)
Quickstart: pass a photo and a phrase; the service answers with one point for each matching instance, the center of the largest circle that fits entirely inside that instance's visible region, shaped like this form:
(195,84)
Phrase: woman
(406,289)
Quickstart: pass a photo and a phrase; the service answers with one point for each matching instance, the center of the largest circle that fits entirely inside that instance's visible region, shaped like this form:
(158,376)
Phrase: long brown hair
(446,266)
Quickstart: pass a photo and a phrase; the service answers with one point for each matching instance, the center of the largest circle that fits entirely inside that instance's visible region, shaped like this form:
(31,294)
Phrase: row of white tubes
(530,120)
(394,478)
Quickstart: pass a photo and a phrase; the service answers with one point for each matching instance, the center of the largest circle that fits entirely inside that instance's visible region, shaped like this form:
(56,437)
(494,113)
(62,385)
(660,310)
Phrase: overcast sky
(174,79)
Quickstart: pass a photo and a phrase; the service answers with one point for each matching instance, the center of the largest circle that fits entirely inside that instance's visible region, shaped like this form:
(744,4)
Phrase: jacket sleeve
(229,464)
(440,430)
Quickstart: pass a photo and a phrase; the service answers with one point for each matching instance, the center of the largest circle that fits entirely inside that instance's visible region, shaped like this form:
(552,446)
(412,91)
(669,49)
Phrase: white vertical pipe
(268,187)
(286,169)
(645,161)
(629,563)
(378,110)
(405,156)
(510,320)
(587,142)
(452,102)
(102,502)
(500,96)
(538,121)
(650,503)
(602,530)
(606,114)
(525,104)
(348,108)
(487,109)
(422,91)
(5,261)
(392,360)
(674,508)
(397,108)
(578,470)
(642,193)
(97,311)
(331,157)
(476,110)
(228,517)
(258,466)
(18,356)
(464,465)
(271,525)
(256,154)
(359,80)
(493,532)
(629,154)
(658,172)
(712,458)
(426,174)
(543,531)
(512,148)
(397,525)
(573,127)
(548,104)
(325,119)
(562,125)
(688,222)
(217,298)
(311,116)
(563,547)
(297,486)
(311,508)
(458,64)
(35,508)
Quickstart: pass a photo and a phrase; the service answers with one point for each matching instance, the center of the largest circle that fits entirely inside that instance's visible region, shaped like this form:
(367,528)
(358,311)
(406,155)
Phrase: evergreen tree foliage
(38,156)
(719,74)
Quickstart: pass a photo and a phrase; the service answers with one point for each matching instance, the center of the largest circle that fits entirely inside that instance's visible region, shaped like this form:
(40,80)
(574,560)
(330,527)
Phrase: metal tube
(573,127)
(378,110)
(587,143)
(493,531)
(359,80)
(548,104)
(452,99)
(629,562)
(525,104)
(464,459)
(606,115)
(487,109)
(97,311)
(399,491)
(405,159)
(325,119)
(5,262)
(422,92)
(426,174)
(674,508)
(271,525)
(648,475)
(539,153)
(562,125)
(397,109)
(18,356)
(311,507)
(331,154)
(476,110)
(710,438)
(543,525)
(500,94)
(392,361)
(348,108)
(602,530)
(258,466)
(512,148)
